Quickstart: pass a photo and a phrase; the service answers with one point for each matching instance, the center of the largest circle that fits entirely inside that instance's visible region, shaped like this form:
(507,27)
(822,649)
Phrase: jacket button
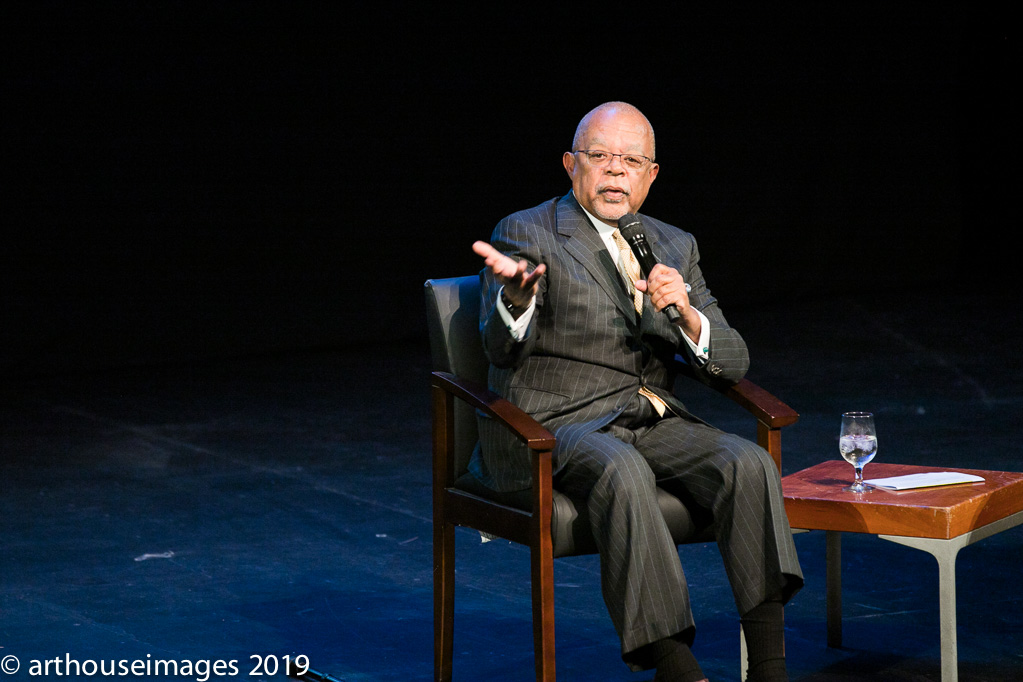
(715,369)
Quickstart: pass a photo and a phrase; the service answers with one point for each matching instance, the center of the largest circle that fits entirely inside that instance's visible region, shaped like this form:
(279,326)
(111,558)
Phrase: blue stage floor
(280,506)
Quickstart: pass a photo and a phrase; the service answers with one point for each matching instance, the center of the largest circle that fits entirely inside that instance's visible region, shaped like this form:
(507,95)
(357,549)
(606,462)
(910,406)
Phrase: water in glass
(857,443)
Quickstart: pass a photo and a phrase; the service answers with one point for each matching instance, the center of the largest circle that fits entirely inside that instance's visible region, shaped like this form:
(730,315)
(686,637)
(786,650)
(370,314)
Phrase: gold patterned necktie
(631,265)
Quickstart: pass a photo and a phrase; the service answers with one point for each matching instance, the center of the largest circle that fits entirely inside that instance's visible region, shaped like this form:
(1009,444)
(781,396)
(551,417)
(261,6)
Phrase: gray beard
(605,215)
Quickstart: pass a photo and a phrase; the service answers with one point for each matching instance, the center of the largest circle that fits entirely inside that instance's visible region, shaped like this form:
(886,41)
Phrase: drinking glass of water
(857,441)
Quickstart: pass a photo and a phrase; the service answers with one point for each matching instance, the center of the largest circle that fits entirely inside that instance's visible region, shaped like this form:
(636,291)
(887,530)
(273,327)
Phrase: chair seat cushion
(570,526)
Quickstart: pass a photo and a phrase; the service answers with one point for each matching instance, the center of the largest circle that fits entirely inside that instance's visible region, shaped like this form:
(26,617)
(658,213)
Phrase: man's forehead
(635,134)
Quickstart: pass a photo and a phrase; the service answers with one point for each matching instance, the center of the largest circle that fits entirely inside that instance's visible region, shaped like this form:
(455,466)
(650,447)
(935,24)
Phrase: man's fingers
(665,287)
(501,264)
(485,250)
(532,278)
(491,255)
(508,269)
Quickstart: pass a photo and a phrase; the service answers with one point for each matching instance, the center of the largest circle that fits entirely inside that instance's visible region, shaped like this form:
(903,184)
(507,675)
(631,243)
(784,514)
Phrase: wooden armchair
(541,518)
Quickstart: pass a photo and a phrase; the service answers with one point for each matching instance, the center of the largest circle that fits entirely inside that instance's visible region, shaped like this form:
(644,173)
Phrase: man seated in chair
(583,346)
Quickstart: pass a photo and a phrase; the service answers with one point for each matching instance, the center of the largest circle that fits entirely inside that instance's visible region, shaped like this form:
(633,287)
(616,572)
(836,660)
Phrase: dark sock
(764,629)
(674,661)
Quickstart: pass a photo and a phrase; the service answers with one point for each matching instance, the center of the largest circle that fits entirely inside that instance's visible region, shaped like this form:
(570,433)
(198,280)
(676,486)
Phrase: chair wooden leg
(770,439)
(542,560)
(443,535)
(443,599)
(541,556)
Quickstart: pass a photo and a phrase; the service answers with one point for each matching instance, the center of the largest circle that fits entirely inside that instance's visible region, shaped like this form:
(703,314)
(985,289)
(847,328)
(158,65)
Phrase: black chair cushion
(570,526)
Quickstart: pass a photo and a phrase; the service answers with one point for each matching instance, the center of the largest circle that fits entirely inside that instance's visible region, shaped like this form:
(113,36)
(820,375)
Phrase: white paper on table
(927,480)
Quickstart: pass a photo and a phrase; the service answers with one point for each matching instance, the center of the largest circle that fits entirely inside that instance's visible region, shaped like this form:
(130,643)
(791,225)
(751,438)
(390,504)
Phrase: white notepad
(927,480)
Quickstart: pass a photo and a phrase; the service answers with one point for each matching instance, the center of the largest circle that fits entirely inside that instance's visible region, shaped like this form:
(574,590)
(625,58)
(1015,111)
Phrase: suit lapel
(586,246)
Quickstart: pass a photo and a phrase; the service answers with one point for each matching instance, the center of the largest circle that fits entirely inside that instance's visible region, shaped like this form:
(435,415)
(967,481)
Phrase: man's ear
(568,161)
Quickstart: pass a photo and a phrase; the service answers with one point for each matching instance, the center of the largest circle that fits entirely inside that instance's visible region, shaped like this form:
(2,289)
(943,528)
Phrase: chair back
(453,321)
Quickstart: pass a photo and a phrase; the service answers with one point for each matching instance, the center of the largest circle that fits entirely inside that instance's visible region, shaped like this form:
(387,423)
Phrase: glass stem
(859,475)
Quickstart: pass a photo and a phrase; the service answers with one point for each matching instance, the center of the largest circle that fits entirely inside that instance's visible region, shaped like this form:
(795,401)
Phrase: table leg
(945,552)
(743,656)
(833,564)
(947,613)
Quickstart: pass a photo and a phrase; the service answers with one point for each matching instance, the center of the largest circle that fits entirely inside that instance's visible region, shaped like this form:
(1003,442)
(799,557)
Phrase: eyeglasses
(598,158)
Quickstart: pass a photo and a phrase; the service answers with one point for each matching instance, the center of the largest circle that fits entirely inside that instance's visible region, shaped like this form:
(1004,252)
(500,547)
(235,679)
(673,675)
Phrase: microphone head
(631,227)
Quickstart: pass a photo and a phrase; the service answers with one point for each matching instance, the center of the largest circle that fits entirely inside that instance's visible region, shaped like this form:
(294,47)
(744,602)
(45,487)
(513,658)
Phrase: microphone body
(632,229)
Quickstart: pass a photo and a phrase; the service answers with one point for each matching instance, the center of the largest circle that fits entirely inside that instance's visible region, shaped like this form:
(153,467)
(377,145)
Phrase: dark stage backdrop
(212,179)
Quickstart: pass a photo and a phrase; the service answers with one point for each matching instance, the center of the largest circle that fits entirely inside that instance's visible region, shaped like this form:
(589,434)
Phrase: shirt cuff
(516,327)
(700,350)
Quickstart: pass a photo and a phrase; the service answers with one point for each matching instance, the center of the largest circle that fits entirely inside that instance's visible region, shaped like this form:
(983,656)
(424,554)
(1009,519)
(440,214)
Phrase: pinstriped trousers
(615,472)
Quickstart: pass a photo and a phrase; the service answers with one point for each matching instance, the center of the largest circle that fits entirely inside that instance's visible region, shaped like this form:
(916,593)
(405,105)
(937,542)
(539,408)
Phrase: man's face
(612,190)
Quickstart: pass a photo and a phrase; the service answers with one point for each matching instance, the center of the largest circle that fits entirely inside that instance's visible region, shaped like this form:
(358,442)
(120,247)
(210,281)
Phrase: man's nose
(615,166)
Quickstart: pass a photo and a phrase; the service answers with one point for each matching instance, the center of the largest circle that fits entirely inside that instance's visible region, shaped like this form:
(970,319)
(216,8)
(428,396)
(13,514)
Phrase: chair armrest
(771,414)
(525,428)
(463,508)
(768,409)
(761,404)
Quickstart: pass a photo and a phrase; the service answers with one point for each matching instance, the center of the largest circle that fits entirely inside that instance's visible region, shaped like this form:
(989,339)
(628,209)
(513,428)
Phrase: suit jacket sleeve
(514,238)
(728,359)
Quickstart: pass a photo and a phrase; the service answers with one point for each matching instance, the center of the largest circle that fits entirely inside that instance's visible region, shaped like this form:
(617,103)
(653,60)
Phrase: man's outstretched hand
(519,285)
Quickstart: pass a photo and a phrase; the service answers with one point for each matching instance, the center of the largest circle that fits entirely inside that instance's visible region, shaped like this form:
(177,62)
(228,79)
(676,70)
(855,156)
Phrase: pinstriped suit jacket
(586,351)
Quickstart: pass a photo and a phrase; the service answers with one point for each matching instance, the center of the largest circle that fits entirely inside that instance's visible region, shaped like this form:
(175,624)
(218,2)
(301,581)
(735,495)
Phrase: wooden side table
(939,520)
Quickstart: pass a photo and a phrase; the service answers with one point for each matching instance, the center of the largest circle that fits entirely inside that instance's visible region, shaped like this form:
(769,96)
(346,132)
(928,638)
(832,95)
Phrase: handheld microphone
(632,229)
